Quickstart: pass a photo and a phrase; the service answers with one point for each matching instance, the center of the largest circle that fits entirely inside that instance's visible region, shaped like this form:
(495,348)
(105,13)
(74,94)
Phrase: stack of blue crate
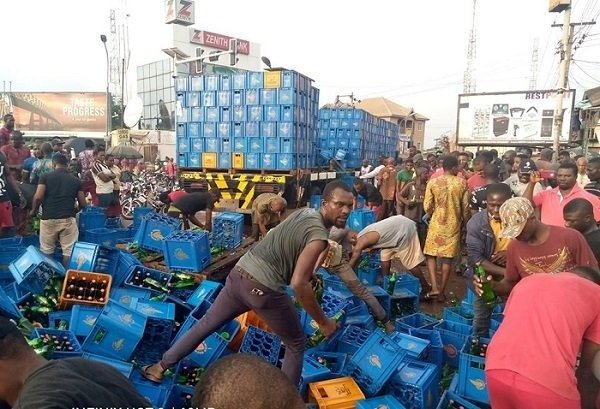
(355,135)
(251,120)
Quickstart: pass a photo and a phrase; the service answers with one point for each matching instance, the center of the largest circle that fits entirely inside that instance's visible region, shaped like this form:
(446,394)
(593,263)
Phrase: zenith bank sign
(179,12)
(218,41)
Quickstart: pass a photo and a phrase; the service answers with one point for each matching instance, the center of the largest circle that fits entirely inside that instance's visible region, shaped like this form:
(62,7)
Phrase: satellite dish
(133,112)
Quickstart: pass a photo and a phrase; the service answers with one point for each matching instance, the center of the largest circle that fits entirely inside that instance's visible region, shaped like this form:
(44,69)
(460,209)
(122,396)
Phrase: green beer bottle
(488,295)
(318,337)
(392,283)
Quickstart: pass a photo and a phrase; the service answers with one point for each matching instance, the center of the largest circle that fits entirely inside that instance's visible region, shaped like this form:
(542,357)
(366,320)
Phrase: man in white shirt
(582,177)
(518,182)
(372,174)
(103,177)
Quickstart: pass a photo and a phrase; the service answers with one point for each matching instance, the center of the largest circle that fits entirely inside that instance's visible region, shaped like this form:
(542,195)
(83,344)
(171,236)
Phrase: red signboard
(218,41)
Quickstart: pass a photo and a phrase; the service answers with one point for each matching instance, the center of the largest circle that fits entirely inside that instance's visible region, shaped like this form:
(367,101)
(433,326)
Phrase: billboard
(58,111)
(505,118)
(179,12)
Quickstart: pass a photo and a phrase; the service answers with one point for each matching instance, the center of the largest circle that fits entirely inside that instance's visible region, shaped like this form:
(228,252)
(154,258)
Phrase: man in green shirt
(402,178)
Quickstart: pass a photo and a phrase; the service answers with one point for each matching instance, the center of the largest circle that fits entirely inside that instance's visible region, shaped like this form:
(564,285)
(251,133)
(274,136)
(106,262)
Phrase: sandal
(428,296)
(151,377)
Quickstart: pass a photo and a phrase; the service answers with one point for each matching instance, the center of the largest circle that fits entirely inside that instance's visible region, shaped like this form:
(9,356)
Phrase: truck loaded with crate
(263,132)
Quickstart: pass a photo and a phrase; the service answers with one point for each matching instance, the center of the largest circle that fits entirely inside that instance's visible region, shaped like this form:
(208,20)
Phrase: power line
(585,72)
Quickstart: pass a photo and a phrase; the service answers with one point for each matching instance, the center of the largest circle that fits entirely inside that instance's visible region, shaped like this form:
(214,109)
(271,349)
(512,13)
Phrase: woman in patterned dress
(446,204)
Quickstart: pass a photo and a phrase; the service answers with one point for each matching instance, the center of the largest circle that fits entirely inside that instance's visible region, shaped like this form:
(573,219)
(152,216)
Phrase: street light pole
(108,110)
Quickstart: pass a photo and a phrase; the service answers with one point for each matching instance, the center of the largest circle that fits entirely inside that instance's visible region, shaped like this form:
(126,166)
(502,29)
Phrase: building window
(419,126)
(408,124)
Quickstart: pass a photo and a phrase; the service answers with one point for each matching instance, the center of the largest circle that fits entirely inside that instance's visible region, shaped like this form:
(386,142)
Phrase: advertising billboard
(506,118)
(58,111)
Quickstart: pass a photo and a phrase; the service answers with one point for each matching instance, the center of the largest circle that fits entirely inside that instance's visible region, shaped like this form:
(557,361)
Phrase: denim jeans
(482,314)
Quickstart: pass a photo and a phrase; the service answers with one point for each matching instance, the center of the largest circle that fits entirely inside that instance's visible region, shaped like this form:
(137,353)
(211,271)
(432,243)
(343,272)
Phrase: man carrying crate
(286,256)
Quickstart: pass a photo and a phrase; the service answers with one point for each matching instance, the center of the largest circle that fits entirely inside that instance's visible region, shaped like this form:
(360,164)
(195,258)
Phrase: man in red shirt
(16,153)
(478,179)
(548,320)
(9,126)
(538,248)
(552,202)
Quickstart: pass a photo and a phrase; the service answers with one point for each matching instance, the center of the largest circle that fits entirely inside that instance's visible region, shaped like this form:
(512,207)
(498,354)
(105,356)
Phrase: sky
(412,52)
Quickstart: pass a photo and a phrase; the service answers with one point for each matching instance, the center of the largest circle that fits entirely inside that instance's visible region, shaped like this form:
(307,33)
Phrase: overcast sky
(413,52)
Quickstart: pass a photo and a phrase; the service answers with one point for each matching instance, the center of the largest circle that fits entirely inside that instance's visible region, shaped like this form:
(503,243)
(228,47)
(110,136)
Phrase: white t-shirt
(394,232)
(101,186)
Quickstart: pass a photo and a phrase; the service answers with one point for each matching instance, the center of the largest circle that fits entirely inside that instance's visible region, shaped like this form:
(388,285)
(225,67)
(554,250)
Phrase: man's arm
(262,226)
(13,183)
(102,175)
(208,219)
(38,198)
(300,283)
(195,221)
(365,241)
(475,250)
(81,202)
(372,173)
(587,383)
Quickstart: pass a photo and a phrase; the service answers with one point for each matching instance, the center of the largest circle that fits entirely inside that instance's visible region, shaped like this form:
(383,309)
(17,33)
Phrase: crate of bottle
(375,362)
(458,314)
(471,370)
(91,218)
(146,278)
(404,281)
(152,392)
(33,270)
(352,338)
(334,361)
(187,250)
(153,230)
(451,400)
(125,368)
(126,295)
(155,340)
(454,336)
(116,332)
(403,302)
(418,321)
(435,353)
(335,284)
(59,320)
(228,230)
(360,218)
(82,319)
(368,275)
(415,384)
(125,261)
(81,287)
(102,235)
(312,371)
(413,346)
(187,373)
(340,393)
(263,344)
(63,344)
(380,402)
(206,291)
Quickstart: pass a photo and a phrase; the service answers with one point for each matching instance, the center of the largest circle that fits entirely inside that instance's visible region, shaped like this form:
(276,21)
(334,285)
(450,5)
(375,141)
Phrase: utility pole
(469,81)
(534,65)
(566,49)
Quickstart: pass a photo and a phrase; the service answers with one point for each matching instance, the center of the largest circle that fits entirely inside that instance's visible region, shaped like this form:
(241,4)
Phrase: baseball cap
(57,141)
(514,214)
(527,166)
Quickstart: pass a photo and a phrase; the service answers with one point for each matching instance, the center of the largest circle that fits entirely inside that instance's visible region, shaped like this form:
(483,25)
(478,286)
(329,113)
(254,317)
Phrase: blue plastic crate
(102,235)
(269,160)
(91,219)
(211,82)
(125,368)
(334,283)
(374,362)
(415,384)
(360,218)
(154,393)
(458,315)
(403,303)
(208,98)
(253,160)
(83,256)
(228,230)
(224,99)
(137,274)
(153,230)
(380,402)
(454,336)
(8,255)
(286,161)
(451,398)
(435,352)
(211,114)
(126,295)
(252,99)
(369,275)
(33,270)
(362,319)
(116,332)
(125,261)
(154,309)
(261,343)
(155,341)
(404,281)
(312,371)
(187,250)
(256,145)
(139,213)
(181,83)
(315,201)
(58,318)
(472,382)
(254,79)
(224,160)
(82,319)
(417,321)
(207,291)
(413,346)
(178,397)
(495,323)
(334,361)
(352,338)
(8,306)
(240,145)
(61,335)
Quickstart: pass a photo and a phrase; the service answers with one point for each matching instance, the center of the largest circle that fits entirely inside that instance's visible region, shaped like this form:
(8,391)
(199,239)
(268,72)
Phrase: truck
(263,132)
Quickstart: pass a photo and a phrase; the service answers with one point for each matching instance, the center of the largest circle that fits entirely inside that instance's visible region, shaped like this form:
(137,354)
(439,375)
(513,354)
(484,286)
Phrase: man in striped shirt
(103,177)
(593,173)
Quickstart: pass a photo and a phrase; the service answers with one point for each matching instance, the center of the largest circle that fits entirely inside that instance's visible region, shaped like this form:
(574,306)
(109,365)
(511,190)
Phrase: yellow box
(340,393)
(272,79)
(238,161)
(209,160)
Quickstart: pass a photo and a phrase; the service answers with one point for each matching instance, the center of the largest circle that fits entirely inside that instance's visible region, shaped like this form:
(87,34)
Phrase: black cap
(527,166)
(56,141)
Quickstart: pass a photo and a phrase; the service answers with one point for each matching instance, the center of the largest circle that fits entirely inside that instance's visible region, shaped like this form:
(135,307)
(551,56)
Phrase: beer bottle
(318,337)
(475,348)
(487,295)
(35,224)
(392,283)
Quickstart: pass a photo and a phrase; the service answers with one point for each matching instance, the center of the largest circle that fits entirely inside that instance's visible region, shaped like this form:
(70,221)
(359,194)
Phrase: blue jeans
(482,314)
